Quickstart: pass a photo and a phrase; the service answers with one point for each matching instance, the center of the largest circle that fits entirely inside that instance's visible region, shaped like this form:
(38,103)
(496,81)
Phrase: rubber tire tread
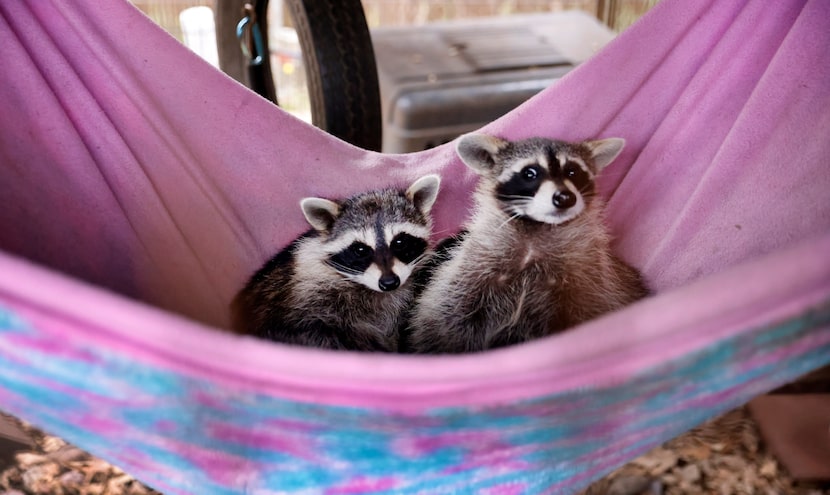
(341,72)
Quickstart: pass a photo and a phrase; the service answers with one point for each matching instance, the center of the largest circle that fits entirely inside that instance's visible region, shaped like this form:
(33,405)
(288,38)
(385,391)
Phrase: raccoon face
(382,259)
(541,179)
(376,239)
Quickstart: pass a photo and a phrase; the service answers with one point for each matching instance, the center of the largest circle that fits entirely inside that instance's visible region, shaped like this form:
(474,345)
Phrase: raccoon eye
(572,170)
(360,250)
(354,259)
(530,173)
(407,248)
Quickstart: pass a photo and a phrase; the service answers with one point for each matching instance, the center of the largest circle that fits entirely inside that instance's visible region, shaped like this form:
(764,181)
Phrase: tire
(341,72)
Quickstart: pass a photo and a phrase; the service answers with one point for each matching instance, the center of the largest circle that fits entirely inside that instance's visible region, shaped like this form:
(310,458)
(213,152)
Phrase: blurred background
(444,67)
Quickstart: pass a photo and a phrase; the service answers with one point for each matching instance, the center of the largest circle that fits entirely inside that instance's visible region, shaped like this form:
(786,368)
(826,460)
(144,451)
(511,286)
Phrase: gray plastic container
(441,80)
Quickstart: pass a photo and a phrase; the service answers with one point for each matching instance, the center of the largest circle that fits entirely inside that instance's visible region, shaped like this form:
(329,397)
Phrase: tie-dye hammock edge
(140,187)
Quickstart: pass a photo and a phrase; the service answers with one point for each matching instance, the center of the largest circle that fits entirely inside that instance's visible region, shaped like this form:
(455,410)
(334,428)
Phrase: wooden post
(231,60)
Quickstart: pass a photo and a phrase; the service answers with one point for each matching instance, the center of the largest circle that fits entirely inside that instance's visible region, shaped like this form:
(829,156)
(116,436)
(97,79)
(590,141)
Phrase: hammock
(140,187)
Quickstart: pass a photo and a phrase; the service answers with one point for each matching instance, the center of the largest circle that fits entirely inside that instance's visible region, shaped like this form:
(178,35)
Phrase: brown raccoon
(535,258)
(344,283)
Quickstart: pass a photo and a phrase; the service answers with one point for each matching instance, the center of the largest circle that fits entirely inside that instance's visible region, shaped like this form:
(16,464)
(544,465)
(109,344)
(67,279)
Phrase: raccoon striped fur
(534,259)
(344,284)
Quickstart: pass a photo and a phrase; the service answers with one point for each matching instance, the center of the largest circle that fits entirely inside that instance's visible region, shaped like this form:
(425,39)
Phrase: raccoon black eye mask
(345,283)
(534,259)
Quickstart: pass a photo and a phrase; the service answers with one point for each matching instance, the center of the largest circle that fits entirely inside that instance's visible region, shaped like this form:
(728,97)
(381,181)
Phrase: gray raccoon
(534,259)
(344,284)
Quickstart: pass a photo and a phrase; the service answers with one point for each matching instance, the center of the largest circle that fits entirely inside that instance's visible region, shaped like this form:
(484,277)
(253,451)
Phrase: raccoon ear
(603,151)
(479,151)
(320,213)
(423,192)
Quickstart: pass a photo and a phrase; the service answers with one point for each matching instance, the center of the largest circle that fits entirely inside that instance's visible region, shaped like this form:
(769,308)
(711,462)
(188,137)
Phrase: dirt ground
(723,457)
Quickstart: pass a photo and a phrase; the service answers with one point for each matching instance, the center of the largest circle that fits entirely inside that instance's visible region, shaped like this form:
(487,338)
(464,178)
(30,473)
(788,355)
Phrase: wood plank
(12,440)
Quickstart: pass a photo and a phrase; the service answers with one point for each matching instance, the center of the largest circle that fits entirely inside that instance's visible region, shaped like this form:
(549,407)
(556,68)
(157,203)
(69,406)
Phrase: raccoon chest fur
(496,290)
(348,311)
(510,287)
(510,296)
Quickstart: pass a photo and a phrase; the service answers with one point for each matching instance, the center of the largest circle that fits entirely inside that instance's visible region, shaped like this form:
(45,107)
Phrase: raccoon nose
(389,282)
(564,199)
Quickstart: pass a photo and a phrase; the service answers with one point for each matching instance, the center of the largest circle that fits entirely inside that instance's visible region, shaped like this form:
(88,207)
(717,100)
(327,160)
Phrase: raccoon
(344,283)
(534,259)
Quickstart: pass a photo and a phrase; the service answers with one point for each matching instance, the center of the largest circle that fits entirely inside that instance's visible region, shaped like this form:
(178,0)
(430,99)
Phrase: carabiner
(250,36)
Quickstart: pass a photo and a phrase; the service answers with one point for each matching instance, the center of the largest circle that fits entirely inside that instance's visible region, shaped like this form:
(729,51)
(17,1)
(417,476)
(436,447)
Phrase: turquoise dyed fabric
(187,434)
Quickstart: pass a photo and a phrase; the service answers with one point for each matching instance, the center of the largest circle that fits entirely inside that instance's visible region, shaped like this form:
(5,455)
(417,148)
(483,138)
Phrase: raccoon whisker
(514,198)
(440,233)
(419,259)
(515,205)
(524,203)
(343,269)
(349,276)
(509,219)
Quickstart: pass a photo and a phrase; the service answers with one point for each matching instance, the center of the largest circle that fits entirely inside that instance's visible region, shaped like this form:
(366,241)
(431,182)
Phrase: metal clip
(250,36)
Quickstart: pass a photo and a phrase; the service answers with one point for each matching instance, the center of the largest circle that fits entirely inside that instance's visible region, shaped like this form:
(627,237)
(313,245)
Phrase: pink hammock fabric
(139,188)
